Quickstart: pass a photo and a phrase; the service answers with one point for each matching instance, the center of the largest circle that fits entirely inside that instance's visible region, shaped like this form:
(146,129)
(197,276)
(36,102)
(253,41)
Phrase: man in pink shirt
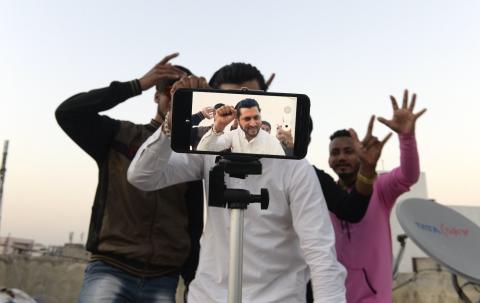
(365,248)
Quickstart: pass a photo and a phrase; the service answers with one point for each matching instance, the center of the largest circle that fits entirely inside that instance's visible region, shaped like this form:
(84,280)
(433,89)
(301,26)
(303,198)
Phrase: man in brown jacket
(140,241)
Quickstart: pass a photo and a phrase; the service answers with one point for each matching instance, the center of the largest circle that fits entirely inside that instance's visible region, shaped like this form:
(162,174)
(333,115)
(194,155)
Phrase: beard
(349,176)
(251,131)
(346,176)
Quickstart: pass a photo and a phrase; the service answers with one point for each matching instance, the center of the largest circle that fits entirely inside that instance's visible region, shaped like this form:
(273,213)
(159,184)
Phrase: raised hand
(189,82)
(403,120)
(270,80)
(370,148)
(161,71)
(285,137)
(208,112)
(223,116)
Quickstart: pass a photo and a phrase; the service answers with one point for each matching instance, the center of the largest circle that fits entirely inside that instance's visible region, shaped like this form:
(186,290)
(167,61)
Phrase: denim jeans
(103,283)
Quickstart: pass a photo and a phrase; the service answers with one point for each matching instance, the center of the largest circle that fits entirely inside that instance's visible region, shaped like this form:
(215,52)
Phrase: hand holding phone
(187,82)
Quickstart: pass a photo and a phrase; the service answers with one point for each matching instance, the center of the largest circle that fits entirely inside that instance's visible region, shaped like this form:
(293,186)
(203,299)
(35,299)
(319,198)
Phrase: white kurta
(278,242)
(262,144)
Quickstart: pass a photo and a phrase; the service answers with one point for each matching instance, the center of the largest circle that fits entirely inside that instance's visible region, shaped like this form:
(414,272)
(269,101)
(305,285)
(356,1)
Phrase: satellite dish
(444,234)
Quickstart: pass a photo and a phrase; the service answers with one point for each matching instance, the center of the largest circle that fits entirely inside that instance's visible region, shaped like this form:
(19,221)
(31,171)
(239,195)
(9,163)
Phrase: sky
(347,56)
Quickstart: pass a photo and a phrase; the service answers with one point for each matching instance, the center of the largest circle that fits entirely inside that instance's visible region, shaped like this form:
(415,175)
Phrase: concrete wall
(46,279)
(432,284)
(58,280)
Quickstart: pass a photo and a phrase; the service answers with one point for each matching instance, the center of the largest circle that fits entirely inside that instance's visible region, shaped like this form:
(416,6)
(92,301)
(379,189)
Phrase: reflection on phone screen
(243,123)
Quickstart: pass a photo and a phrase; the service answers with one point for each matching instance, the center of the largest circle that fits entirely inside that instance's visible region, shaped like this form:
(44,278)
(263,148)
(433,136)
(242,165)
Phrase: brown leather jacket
(144,233)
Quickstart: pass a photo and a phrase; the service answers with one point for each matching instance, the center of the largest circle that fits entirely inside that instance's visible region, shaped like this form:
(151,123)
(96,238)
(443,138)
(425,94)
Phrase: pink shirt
(365,248)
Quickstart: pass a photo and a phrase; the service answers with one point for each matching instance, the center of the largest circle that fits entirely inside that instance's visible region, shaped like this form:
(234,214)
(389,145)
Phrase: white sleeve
(312,224)
(214,142)
(156,166)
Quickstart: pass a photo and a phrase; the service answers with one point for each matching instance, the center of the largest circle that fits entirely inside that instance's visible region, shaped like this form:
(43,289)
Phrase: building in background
(17,246)
(28,247)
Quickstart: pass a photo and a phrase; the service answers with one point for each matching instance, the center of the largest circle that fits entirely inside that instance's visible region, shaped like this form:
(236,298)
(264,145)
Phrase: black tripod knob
(263,198)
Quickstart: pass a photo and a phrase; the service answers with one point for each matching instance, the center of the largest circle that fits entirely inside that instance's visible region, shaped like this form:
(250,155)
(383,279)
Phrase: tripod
(237,201)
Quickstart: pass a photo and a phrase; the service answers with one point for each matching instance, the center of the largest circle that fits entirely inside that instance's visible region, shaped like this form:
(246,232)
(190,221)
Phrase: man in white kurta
(235,139)
(284,245)
(247,138)
(281,243)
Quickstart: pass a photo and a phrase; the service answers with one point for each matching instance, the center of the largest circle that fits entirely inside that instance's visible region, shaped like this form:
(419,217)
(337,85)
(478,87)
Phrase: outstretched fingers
(168,58)
(368,135)
(387,137)
(412,104)
(384,121)
(270,80)
(354,136)
(168,72)
(417,115)
(375,142)
(405,99)
(394,103)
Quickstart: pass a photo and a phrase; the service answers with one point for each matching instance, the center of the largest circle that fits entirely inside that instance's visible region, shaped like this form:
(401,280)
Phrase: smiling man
(343,158)
(365,247)
(248,138)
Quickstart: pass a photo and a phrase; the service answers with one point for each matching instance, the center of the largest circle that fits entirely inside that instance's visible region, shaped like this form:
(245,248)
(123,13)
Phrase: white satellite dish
(444,234)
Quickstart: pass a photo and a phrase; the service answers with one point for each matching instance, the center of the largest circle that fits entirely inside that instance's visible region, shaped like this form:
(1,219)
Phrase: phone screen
(253,123)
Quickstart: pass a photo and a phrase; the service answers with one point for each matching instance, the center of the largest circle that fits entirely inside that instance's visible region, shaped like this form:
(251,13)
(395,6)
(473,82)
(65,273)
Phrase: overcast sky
(347,56)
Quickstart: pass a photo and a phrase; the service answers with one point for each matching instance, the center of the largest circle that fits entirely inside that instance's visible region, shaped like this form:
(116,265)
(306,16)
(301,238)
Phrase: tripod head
(237,167)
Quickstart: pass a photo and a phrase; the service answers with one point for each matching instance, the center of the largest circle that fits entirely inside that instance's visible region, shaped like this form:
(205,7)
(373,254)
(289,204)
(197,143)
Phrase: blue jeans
(103,283)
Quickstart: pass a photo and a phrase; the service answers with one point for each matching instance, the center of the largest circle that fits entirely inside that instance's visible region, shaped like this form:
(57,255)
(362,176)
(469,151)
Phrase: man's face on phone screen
(250,121)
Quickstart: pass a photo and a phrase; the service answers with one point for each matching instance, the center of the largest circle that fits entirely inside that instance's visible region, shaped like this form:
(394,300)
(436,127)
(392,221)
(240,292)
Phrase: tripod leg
(236,256)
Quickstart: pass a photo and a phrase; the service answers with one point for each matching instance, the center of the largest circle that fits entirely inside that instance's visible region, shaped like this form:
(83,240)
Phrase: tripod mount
(237,201)
(237,167)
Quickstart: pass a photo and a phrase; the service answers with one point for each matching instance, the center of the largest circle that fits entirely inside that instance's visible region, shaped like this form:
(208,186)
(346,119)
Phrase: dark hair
(309,129)
(218,105)
(237,73)
(267,124)
(340,133)
(161,85)
(246,103)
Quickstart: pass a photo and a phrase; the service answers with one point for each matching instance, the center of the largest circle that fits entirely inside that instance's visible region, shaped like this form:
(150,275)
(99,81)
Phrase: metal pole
(459,289)
(236,256)
(401,239)
(3,171)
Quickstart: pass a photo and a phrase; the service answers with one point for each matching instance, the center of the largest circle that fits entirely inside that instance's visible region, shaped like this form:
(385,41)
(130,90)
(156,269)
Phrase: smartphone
(245,127)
